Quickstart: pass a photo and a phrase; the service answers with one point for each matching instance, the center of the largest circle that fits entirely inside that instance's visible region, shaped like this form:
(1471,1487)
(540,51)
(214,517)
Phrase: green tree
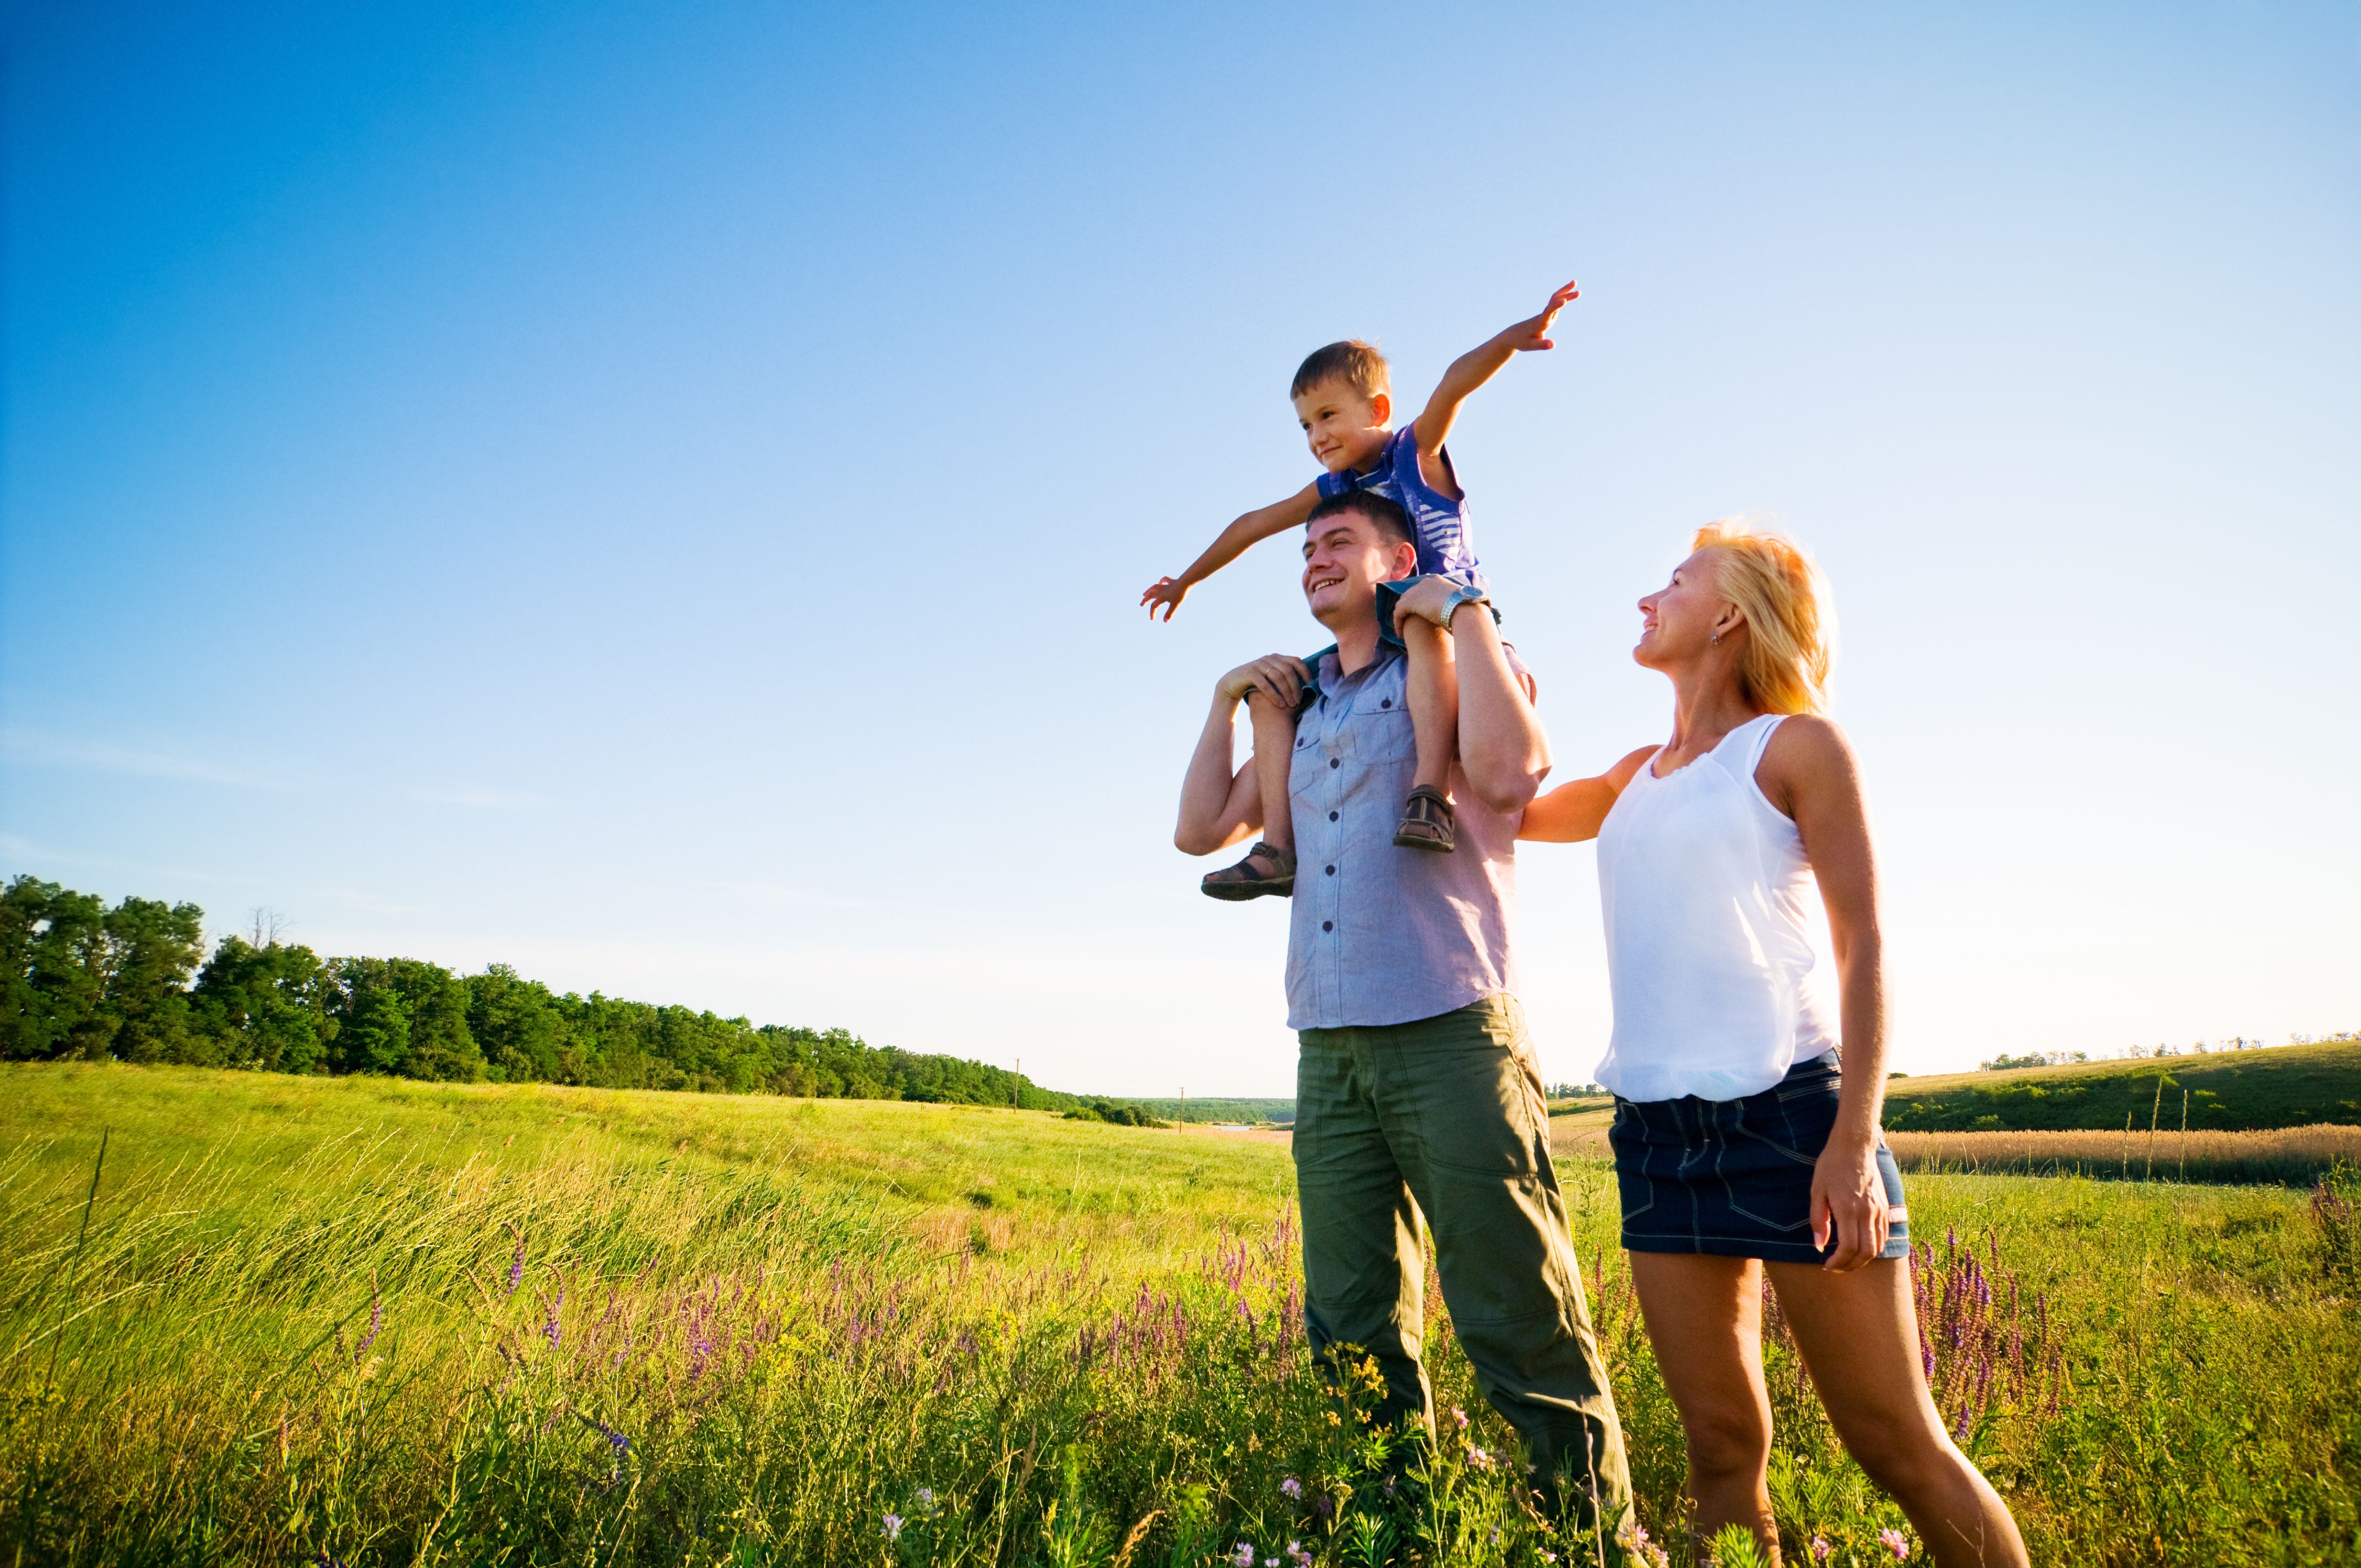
(55,946)
(517,1025)
(407,1017)
(373,1022)
(271,1007)
(152,949)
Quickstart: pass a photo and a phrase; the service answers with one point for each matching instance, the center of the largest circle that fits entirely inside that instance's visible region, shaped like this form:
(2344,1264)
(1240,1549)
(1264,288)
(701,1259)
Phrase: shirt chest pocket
(1379,734)
(1382,734)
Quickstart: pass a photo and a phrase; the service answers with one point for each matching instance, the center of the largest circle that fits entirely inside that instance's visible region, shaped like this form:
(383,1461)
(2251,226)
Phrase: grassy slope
(2283,1087)
(906,1166)
(2212,1382)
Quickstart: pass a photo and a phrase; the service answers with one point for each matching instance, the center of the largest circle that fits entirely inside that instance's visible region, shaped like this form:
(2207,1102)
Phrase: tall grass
(365,1323)
(2292,1155)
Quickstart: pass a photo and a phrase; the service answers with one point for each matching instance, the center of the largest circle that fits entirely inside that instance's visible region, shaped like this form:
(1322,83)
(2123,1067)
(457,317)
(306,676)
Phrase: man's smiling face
(1344,558)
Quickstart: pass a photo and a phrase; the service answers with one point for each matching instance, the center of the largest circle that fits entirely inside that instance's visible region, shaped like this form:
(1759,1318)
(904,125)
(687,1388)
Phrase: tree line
(137,983)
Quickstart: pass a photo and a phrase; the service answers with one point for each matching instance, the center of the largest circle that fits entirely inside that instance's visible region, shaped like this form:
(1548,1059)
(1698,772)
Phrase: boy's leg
(1269,866)
(1434,699)
(1433,683)
(1273,728)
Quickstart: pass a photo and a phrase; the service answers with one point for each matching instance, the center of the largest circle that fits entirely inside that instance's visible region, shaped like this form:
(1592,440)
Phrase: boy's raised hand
(1166,591)
(1534,334)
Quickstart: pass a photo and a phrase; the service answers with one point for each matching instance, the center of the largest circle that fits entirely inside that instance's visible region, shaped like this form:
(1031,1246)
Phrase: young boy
(1344,400)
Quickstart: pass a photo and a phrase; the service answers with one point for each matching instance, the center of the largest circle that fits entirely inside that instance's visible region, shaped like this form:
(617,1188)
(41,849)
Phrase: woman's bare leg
(1859,1339)
(1705,1320)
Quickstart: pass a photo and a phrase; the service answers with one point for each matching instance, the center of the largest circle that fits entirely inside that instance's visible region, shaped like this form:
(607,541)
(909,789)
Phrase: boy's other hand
(1534,334)
(1278,677)
(1166,591)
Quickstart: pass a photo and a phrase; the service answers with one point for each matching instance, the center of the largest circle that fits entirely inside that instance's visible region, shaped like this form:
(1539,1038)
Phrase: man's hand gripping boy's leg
(1271,698)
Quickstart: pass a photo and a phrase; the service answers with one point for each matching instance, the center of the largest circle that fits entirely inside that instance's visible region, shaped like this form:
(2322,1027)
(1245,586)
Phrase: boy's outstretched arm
(1250,529)
(1479,365)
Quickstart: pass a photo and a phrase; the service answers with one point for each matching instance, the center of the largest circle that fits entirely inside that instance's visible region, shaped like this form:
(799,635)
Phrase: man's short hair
(1385,515)
(1357,363)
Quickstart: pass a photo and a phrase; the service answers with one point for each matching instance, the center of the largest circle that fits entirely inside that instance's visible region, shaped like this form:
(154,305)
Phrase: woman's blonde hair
(1791,626)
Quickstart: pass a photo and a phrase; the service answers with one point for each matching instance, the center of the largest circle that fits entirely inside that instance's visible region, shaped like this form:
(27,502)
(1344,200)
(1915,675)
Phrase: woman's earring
(1716,638)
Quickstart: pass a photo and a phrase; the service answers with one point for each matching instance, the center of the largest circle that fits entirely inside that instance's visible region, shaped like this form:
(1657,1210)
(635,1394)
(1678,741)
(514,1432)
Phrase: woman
(1740,1145)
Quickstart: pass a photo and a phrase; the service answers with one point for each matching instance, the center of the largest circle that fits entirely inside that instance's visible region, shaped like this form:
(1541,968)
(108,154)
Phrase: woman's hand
(1849,1198)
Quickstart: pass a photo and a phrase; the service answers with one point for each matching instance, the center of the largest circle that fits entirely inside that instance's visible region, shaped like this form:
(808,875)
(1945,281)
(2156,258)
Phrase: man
(1417,1090)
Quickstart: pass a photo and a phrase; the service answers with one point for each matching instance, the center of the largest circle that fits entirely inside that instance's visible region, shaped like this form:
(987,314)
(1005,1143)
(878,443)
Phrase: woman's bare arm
(1570,813)
(1809,771)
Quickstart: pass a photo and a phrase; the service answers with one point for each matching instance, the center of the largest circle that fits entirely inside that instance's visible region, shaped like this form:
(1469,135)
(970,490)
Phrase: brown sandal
(1427,822)
(1239,881)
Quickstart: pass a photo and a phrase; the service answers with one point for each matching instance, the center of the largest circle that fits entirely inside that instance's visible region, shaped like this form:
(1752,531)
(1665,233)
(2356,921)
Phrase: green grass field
(2286,1086)
(367,1322)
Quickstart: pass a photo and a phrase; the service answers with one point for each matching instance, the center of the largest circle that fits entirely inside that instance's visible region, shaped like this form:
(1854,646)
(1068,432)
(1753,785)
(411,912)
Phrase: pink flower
(1897,1542)
(1820,1548)
(1460,1416)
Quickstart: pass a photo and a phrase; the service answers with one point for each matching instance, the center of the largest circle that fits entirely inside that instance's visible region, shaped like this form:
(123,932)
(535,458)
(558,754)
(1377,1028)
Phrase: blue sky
(656,496)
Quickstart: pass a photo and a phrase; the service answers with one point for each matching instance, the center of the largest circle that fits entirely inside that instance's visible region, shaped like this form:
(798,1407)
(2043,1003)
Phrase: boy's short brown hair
(1357,363)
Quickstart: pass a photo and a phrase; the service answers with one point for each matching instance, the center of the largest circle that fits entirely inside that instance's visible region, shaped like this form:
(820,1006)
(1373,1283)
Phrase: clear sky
(657,495)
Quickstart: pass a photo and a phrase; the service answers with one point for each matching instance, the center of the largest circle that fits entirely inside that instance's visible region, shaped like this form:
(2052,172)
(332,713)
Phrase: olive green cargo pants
(1444,1117)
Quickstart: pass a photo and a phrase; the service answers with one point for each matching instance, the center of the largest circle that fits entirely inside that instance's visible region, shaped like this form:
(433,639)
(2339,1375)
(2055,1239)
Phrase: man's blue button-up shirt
(1381,934)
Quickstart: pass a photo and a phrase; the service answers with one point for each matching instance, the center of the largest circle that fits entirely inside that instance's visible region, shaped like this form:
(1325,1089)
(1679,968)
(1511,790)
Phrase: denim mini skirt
(1733,1177)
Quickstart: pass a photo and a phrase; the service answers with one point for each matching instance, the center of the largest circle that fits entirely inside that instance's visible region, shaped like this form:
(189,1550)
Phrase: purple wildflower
(1897,1542)
(1820,1548)
(376,1322)
(892,1527)
(1460,1416)
(551,1328)
(1243,1555)
(1292,1487)
(516,1268)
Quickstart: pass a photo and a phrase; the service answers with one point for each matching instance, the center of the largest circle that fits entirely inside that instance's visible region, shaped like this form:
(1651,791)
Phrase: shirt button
(1336,761)
(1332,871)
(1327,925)
(1388,703)
(1331,817)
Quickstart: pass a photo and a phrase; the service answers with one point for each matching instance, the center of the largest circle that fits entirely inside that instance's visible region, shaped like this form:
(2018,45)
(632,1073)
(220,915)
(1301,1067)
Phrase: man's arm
(1502,748)
(1572,813)
(1248,528)
(1219,808)
(1471,370)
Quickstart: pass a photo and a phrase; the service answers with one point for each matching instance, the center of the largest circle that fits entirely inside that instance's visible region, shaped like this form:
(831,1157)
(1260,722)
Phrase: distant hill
(2284,1086)
(1249,1112)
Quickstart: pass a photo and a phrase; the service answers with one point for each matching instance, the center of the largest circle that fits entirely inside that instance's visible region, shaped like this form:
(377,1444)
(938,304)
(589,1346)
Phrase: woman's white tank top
(1717,983)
